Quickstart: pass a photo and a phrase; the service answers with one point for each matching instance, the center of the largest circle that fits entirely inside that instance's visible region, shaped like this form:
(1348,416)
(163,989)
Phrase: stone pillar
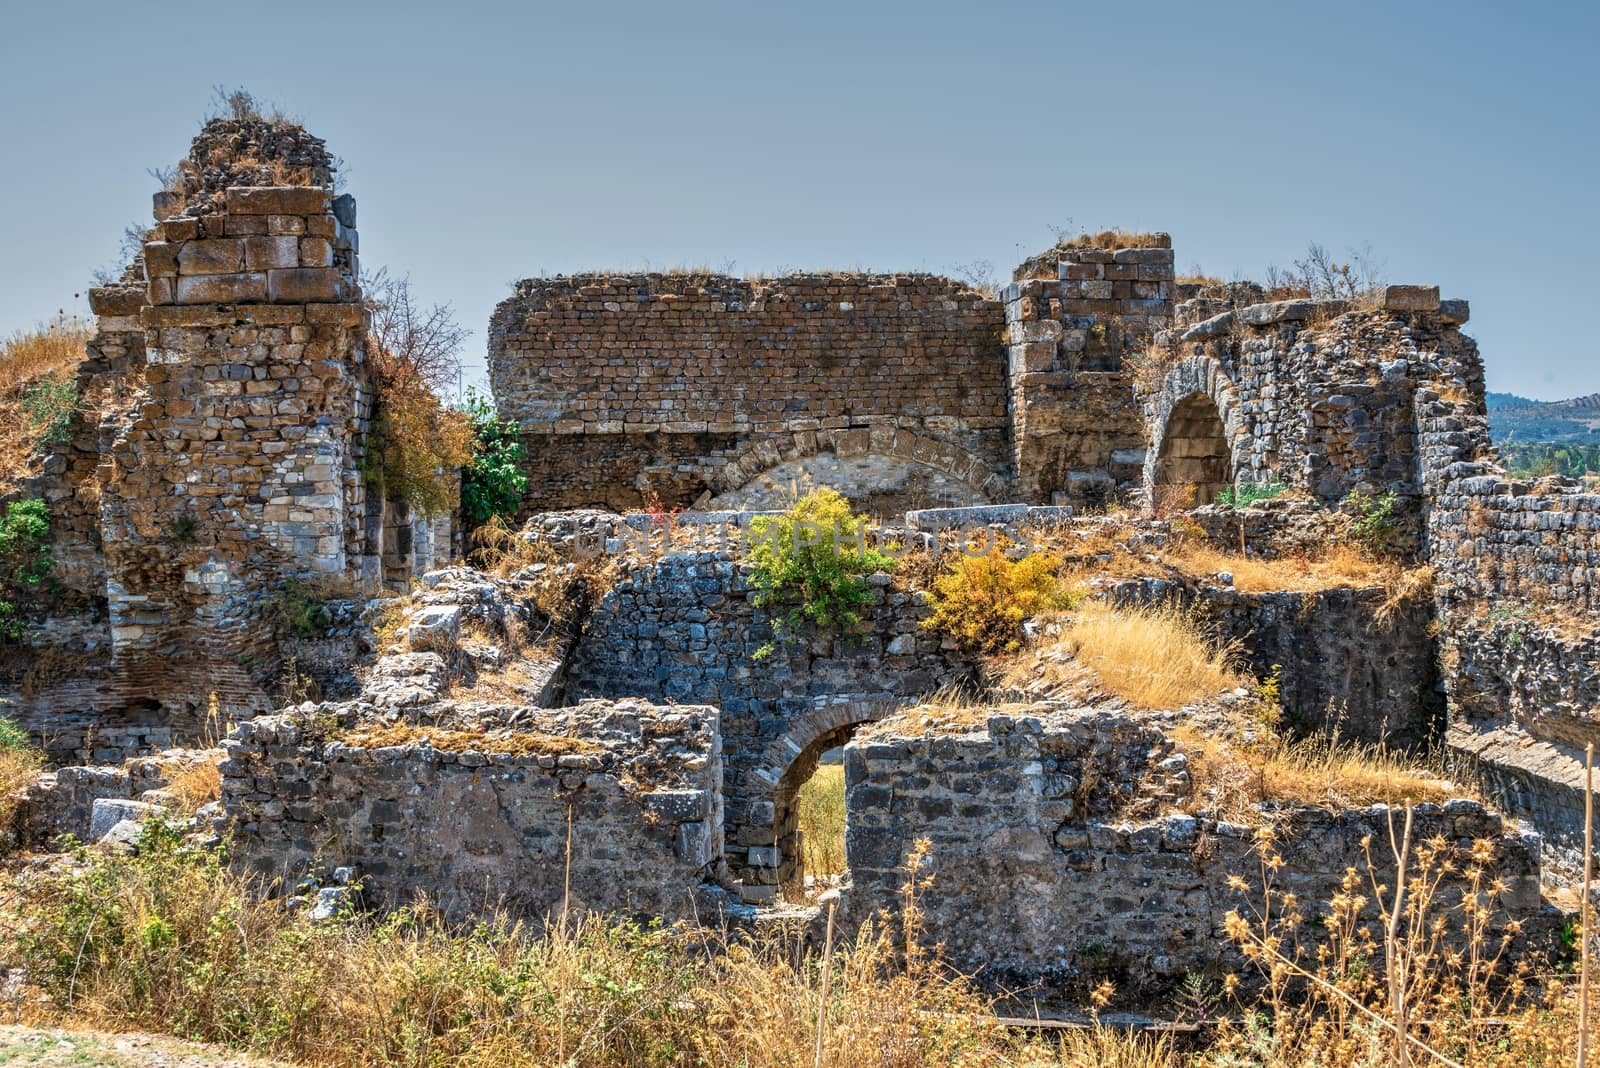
(1073,315)
(241,468)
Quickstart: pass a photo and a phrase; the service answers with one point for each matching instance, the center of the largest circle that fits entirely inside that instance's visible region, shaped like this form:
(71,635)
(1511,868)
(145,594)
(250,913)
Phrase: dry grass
(20,765)
(819,807)
(516,743)
(1152,656)
(950,709)
(1339,566)
(1112,240)
(1232,777)
(35,363)
(199,784)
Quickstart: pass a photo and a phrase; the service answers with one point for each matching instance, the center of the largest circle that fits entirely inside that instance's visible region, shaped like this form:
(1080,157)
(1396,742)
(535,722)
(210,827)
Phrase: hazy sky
(488,142)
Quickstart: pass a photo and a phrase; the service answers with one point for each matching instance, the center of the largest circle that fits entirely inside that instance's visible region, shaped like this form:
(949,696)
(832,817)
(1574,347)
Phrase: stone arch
(786,765)
(979,476)
(1196,431)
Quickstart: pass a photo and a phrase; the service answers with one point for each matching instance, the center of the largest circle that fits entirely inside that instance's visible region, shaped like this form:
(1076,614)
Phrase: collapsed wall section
(694,387)
(610,807)
(1060,853)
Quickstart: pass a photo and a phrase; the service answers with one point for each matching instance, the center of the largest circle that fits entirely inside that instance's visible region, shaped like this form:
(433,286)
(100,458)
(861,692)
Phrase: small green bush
(24,559)
(982,600)
(493,483)
(294,611)
(812,562)
(12,737)
(1376,521)
(1251,492)
(47,407)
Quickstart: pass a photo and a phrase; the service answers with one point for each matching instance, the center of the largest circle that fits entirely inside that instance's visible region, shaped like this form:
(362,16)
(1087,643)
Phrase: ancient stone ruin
(617,724)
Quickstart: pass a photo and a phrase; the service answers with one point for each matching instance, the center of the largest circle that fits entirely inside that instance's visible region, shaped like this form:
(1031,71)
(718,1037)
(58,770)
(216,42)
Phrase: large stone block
(304,285)
(277,200)
(219,255)
(271,253)
(115,300)
(1410,298)
(222,289)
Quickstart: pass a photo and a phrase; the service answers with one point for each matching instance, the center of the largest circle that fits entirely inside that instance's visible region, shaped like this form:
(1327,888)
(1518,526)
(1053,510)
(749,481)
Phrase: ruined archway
(885,469)
(1194,454)
(786,765)
(1195,435)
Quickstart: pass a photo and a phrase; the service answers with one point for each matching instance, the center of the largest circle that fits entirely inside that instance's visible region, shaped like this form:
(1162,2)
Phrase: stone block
(436,627)
(222,288)
(116,300)
(107,812)
(1410,298)
(165,204)
(344,209)
(218,255)
(162,291)
(160,259)
(304,285)
(277,200)
(1455,311)
(314,252)
(271,253)
(334,314)
(181,229)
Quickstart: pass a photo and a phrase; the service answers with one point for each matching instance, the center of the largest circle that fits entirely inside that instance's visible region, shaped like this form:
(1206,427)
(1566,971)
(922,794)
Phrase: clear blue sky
(488,142)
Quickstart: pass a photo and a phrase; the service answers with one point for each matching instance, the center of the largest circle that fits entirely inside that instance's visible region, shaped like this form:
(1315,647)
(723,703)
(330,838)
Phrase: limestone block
(182,229)
(271,253)
(107,812)
(222,288)
(277,200)
(115,300)
(344,209)
(161,291)
(436,627)
(304,285)
(1410,298)
(160,259)
(218,255)
(314,252)
(286,224)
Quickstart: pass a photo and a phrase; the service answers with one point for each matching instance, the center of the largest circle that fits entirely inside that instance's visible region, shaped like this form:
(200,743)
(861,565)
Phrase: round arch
(1196,433)
(758,458)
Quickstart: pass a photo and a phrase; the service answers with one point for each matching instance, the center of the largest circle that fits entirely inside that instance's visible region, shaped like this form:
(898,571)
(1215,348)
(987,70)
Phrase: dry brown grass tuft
(1232,778)
(1112,240)
(37,384)
(516,743)
(819,809)
(1152,656)
(199,784)
(1339,566)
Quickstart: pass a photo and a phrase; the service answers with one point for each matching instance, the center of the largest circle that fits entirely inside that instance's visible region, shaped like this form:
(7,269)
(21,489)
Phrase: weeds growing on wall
(493,483)
(1376,521)
(982,601)
(1249,493)
(24,559)
(811,564)
(20,762)
(38,392)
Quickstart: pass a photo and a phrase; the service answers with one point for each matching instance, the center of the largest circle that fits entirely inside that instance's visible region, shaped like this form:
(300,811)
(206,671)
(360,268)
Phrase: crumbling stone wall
(1308,394)
(694,386)
(685,629)
(618,812)
(1057,856)
(1074,314)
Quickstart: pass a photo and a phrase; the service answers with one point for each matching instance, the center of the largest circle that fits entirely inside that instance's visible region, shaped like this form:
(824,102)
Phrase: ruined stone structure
(647,758)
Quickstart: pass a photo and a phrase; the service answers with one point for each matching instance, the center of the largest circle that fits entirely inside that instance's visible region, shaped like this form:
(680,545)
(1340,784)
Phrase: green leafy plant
(1377,521)
(295,611)
(494,480)
(24,559)
(47,406)
(982,600)
(811,563)
(1249,493)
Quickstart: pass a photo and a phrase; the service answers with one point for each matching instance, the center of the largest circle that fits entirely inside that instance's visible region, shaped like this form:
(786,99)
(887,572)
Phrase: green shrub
(47,407)
(295,611)
(1376,521)
(811,563)
(492,484)
(24,559)
(982,600)
(1249,493)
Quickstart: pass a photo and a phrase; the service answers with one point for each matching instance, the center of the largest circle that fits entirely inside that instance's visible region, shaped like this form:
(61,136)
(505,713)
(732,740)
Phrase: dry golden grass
(1112,240)
(949,709)
(819,808)
(198,784)
(1233,778)
(19,767)
(1339,566)
(1152,656)
(507,685)
(517,743)
(44,357)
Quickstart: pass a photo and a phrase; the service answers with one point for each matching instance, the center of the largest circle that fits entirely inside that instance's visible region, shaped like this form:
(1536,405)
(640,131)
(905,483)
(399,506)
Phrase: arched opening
(809,822)
(1194,460)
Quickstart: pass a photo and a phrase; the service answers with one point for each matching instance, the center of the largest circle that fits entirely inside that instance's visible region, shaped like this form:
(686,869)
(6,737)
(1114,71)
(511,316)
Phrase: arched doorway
(809,822)
(1194,458)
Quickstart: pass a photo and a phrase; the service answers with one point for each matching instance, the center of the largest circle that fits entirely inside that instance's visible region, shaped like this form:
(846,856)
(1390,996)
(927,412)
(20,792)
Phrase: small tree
(493,483)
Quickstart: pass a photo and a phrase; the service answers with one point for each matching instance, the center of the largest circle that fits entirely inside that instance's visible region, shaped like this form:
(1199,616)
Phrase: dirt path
(21,1046)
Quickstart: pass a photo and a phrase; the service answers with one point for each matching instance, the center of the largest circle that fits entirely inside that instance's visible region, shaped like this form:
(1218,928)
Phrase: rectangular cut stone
(177,317)
(160,259)
(162,290)
(315,252)
(115,300)
(334,314)
(222,288)
(277,200)
(304,285)
(1411,298)
(271,315)
(271,253)
(223,255)
(180,229)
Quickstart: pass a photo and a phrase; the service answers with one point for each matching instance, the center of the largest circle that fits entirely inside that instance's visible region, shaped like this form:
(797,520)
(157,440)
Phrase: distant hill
(1514,419)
